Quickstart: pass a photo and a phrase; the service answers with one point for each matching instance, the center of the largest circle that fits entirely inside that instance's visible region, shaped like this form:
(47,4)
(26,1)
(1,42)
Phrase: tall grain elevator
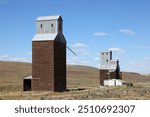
(49,55)
(109,68)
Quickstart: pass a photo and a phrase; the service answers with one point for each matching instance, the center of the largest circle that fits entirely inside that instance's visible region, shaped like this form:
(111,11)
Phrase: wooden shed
(114,82)
(27,83)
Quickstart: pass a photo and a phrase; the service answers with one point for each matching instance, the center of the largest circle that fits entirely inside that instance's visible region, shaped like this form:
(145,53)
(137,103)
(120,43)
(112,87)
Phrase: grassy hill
(135,77)
(78,77)
(82,76)
(11,73)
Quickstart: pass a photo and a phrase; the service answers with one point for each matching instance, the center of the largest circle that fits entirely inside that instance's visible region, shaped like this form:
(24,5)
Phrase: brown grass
(82,83)
(11,73)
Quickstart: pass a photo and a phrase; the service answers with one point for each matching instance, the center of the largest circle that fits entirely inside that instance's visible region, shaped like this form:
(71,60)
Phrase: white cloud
(4,56)
(79,45)
(146,58)
(115,49)
(127,31)
(140,46)
(80,48)
(12,58)
(85,62)
(77,61)
(96,59)
(139,66)
(81,51)
(75,58)
(100,34)
(131,63)
(71,63)
(85,52)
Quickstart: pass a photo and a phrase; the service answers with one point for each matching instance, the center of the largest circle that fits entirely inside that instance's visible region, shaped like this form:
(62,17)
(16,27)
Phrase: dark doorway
(27,85)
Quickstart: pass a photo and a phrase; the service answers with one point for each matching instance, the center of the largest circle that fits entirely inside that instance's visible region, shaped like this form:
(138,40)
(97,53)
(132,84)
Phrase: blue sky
(90,26)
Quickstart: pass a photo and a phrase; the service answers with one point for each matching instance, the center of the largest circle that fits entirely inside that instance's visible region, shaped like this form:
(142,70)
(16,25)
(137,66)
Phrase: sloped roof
(40,37)
(48,17)
(45,37)
(28,77)
(109,67)
(104,51)
(114,60)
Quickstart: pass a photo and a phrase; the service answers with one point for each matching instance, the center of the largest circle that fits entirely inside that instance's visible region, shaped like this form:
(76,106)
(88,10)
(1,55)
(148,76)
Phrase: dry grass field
(82,83)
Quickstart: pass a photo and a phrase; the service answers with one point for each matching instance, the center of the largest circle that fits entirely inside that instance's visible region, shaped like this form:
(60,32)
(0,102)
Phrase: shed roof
(28,77)
(48,17)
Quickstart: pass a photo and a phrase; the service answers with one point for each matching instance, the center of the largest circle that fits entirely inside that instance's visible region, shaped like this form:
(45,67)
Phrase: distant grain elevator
(49,55)
(109,68)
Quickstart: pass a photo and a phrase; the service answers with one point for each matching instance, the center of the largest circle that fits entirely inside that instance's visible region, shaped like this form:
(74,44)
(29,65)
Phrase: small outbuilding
(114,82)
(27,83)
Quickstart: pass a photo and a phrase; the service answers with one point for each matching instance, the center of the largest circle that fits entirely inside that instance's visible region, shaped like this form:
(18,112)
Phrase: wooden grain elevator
(49,55)
(109,68)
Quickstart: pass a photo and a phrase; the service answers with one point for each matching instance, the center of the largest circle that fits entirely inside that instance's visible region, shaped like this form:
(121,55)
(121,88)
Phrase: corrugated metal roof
(28,77)
(45,37)
(113,67)
(41,37)
(114,60)
(48,17)
(109,67)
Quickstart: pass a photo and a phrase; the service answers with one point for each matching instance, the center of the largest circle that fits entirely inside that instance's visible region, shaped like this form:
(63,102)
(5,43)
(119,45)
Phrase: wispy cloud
(3,2)
(139,66)
(140,46)
(96,58)
(69,63)
(127,31)
(75,58)
(100,34)
(85,62)
(116,49)
(80,48)
(12,58)
(79,45)
(146,58)
(81,51)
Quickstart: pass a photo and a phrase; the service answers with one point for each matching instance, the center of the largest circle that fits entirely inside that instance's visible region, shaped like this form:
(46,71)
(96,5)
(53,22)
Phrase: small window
(107,60)
(106,53)
(52,25)
(102,53)
(41,26)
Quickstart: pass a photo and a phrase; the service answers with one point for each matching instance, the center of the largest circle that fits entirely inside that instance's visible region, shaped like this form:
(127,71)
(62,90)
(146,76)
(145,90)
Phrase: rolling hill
(82,82)
(11,73)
